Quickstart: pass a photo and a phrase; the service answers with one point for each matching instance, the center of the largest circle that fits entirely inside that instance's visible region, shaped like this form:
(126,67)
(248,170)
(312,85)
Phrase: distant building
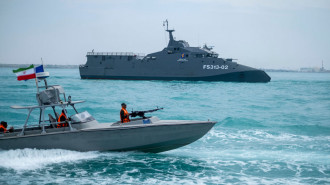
(314,69)
(310,69)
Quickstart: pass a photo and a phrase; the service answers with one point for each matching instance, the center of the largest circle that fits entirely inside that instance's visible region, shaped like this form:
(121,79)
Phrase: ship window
(120,57)
(103,58)
(129,58)
(95,56)
(187,55)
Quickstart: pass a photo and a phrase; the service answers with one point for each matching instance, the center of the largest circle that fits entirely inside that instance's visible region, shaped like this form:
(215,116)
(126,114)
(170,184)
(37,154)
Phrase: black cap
(123,104)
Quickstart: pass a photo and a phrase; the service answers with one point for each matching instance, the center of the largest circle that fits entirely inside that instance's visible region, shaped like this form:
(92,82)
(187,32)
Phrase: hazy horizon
(259,33)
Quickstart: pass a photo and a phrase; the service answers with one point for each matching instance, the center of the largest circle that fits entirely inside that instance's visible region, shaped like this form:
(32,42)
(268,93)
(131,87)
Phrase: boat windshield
(81,117)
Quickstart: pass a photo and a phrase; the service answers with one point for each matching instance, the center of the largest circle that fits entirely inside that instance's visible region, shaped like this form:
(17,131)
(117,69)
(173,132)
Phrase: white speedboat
(84,133)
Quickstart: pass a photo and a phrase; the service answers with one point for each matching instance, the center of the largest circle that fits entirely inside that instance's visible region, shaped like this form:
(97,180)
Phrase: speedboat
(84,133)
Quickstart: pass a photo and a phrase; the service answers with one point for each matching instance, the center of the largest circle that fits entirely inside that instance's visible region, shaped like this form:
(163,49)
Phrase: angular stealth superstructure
(178,61)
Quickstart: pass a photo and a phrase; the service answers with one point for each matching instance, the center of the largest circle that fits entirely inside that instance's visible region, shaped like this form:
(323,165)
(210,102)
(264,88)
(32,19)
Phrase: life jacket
(3,128)
(62,118)
(126,118)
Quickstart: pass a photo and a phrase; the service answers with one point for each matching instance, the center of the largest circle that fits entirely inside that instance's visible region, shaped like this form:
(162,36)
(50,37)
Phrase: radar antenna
(208,47)
(165,22)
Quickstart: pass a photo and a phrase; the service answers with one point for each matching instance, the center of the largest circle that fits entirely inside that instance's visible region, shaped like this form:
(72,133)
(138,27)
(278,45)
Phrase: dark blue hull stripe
(246,76)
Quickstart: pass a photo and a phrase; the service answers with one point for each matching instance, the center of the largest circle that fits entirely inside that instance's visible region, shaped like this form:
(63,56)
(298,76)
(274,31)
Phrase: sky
(269,34)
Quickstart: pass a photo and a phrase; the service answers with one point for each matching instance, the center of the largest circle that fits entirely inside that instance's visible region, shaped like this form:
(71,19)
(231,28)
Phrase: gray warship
(178,61)
(84,133)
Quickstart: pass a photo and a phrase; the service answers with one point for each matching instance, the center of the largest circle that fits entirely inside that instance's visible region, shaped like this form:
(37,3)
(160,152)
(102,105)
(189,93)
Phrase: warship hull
(247,76)
(154,138)
(177,61)
(153,67)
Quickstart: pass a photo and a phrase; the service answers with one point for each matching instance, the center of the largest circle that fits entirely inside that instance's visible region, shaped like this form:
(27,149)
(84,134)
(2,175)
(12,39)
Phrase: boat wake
(32,159)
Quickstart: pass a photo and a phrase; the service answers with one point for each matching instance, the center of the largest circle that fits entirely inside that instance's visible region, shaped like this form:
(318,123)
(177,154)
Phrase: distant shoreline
(294,71)
(45,65)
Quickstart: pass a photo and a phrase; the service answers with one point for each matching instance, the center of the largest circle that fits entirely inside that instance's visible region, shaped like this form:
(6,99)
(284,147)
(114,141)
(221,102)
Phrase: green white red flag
(25,73)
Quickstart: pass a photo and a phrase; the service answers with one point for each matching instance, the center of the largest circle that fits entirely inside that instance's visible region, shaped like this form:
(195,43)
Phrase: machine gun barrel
(152,110)
(141,113)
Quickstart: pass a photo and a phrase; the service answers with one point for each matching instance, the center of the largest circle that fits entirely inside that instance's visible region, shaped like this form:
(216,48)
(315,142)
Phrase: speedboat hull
(154,137)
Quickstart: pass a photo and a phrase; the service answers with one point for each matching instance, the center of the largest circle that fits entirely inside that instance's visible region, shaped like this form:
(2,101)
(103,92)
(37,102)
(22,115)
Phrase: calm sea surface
(273,133)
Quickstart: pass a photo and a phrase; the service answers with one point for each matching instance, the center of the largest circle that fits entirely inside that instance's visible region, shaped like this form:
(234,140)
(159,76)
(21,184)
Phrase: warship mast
(170,33)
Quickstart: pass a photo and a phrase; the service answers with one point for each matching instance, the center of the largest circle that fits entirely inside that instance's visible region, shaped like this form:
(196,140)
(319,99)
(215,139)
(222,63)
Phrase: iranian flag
(25,73)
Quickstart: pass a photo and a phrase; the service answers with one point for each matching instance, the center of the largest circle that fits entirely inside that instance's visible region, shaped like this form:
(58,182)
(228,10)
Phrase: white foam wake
(31,159)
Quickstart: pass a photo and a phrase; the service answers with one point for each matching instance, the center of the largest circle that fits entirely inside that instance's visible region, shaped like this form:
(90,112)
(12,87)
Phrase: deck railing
(116,54)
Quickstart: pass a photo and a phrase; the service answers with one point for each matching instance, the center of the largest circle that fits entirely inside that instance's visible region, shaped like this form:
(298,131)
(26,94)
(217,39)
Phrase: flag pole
(36,80)
(37,84)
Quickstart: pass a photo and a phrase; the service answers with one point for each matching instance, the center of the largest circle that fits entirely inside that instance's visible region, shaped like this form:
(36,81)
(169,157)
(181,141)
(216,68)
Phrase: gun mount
(141,113)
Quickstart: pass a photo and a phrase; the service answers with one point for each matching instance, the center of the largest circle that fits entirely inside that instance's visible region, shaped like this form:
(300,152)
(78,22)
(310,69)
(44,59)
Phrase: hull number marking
(215,66)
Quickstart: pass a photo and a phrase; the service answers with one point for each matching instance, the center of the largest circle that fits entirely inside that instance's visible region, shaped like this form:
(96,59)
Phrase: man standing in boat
(3,127)
(124,115)
(62,120)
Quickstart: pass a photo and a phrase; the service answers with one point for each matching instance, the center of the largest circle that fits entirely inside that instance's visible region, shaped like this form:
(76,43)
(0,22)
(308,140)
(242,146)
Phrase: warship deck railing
(117,54)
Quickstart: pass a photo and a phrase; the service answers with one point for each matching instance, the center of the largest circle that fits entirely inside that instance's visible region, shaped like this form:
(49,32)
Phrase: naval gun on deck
(141,113)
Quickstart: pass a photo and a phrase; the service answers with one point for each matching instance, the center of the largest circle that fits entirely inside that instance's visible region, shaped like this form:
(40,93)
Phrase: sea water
(267,133)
